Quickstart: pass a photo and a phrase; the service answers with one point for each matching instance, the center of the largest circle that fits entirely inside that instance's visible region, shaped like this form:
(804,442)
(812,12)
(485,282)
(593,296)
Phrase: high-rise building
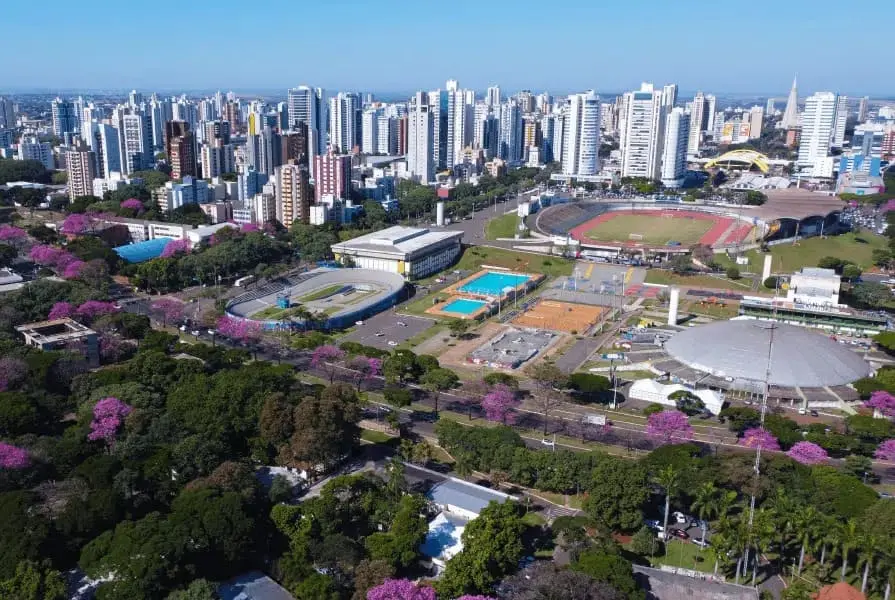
(180,146)
(135,99)
(509,145)
(308,105)
(818,121)
(862,109)
(868,139)
(790,118)
(81,170)
(669,95)
(7,114)
(770,107)
(293,194)
(232,115)
(134,141)
(270,148)
(295,144)
(700,112)
(644,133)
(332,176)
(581,147)
(526,101)
(460,126)
(492,98)
(65,120)
(107,147)
(386,135)
(756,118)
(403,135)
(420,139)
(531,134)
(674,152)
(370,131)
(438,107)
(30,148)
(217,130)
(216,159)
(161,111)
(344,122)
(839,123)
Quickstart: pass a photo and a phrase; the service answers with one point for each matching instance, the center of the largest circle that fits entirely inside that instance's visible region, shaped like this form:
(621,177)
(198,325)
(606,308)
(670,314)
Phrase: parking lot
(378,331)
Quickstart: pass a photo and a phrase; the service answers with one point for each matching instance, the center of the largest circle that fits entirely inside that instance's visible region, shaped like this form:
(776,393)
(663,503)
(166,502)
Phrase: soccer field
(656,230)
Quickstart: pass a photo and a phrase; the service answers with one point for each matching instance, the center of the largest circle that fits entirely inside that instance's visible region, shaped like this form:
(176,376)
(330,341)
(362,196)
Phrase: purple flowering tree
(249,228)
(61,310)
(12,235)
(76,224)
(73,269)
(113,349)
(499,403)
(239,329)
(886,451)
(758,437)
(92,309)
(175,247)
(13,457)
(366,369)
(882,403)
(133,204)
(669,426)
(12,372)
(108,416)
(325,357)
(807,453)
(63,260)
(400,589)
(45,255)
(468,597)
(170,310)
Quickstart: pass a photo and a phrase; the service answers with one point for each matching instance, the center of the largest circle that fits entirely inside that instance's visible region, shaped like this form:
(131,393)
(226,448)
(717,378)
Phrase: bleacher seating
(560,219)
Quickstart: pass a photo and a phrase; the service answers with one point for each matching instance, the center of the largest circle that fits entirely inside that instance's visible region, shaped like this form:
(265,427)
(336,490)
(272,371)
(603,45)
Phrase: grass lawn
(327,291)
(718,311)
(274,313)
(634,375)
(375,437)
(660,276)
(655,230)
(474,257)
(857,248)
(533,519)
(423,336)
(686,555)
(502,227)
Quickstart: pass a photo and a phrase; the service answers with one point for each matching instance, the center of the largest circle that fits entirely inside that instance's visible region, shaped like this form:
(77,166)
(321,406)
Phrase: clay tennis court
(560,316)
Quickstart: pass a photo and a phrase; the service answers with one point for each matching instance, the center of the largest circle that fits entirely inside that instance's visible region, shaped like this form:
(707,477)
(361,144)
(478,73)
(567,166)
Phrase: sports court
(561,316)
(655,228)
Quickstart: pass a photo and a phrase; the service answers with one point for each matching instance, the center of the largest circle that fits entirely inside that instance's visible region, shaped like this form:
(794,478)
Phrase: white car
(392,343)
(195,332)
(402,324)
(547,442)
(680,517)
(358,323)
(701,543)
(379,334)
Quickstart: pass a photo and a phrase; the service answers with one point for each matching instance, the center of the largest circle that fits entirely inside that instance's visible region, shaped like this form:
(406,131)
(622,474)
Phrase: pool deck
(437,309)
(534,280)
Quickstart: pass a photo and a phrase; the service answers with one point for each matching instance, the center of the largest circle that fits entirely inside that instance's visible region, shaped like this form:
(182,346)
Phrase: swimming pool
(493,284)
(463,306)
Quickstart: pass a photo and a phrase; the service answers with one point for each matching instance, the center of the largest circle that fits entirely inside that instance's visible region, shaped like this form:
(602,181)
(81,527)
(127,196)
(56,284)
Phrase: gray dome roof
(739,349)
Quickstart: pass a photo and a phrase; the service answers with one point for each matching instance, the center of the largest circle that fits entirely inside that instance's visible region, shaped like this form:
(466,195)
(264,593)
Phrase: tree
(369,574)
(886,451)
(611,569)
(400,589)
(687,402)
(199,589)
(733,273)
(544,581)
(644,542)
(616,494)
(589,386)
(169,309)
(458,327)
(397,396)
(849,537)
(882,403)
(437,381)
(546,375)
(869,294)
(681,264)
(325,357)
(705,504)
(499,403)
(7,255)
(757,437)
(669,426)
(771,282)
(33,582)
(108,416)
(668,478)
(807,453)
(280,489)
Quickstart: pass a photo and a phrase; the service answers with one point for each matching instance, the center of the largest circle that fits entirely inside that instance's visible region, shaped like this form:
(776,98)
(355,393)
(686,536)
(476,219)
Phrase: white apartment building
(581,147)
(644,133)
(308,105)
(344,109)
(756,118)
(420,139)
(461,116)
(135,144)
(841,117)
(509,144)
(387,135)
(370,131)
(80,163)
(674,152)
(818,120)
(30,148)
(702,118)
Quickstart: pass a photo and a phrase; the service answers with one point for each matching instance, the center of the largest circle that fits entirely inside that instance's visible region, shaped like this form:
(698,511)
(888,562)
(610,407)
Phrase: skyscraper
(420,138)
(308,105)
(817,128)
(644,133)
(839,123)
(674,152)
(7,114)
(180,146)
(332,176)
(492,99)
(81,170)
(293,194)
(31,148)
(862,109)
(370,131)
(581,146)
(669,95)
(65,119)
(386,135)
(461,114)
(756,121)
(295,145)
(699,122)
(791,114)
(134,140)
(770,107)
(344,122)
(509,143)
(108,150)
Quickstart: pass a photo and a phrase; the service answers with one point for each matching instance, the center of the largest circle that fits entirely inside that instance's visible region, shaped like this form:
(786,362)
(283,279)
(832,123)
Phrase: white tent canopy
(649,390)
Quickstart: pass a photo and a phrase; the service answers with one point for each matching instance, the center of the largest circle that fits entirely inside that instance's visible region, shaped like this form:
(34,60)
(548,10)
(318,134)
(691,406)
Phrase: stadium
(320,299)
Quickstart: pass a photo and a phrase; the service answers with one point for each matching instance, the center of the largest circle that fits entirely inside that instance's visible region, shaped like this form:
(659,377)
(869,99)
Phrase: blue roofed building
(143,251)
(254,585)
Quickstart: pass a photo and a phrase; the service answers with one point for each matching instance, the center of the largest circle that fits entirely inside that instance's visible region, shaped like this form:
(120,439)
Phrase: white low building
(408,251)
(814,287)
(649,390)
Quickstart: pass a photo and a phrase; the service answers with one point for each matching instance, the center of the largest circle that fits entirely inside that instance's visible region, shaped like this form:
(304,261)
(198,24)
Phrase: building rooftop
(253,586)
(397,240)
(143,251)
(58,330)
(467,496)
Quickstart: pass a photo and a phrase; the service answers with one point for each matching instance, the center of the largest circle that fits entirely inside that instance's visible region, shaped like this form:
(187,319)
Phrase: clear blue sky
(400,45)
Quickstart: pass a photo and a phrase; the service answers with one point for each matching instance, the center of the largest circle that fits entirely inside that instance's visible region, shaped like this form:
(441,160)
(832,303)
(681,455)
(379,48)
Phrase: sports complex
(483,293)
(322,298)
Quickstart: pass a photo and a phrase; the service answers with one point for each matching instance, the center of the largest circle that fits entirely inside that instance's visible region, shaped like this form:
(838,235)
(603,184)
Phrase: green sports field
(655,230)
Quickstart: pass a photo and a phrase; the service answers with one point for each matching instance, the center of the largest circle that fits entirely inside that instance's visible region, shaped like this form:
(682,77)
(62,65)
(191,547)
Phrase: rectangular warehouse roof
(397,242)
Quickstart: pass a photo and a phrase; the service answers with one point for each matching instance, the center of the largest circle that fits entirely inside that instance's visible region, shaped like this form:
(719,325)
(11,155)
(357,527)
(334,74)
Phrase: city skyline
(605,48)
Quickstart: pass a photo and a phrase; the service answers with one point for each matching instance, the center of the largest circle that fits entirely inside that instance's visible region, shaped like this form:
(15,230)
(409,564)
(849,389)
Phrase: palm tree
(806,526)
(867,553)
(848,537)
(705,505)
(668,479)
(784,511)
(827,538)
(762,532)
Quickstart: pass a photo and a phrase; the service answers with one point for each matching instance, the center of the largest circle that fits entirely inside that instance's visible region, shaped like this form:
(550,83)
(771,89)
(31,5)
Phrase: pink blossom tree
(499,403)
(758,437)
(108,416)
(886,451)
(133,204)
(249,228)
(61,310)
(92,309)
(325,357)
(669,426)
(113,349)
(63,260)
(238,329)
(45,255)
(882,403)
(175,247)
(468,597)
(13,457)
(12,235)
(366,368)
(73,269)
(12,372)
(807,453)
(76,224)
(170,310)
(400,589)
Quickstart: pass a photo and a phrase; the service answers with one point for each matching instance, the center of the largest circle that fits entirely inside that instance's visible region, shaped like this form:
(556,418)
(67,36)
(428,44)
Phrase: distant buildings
(581,146)
(674,150)
(420,139)
(30,148)
(702,118)
(307,105)
(818,122)
(344,122)
(7,114)
(332,176)
(644,133)
(65,119)
(80,162)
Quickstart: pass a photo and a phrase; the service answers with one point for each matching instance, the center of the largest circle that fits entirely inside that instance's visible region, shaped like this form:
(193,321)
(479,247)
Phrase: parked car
(680,517)
(702,543)
(680,533)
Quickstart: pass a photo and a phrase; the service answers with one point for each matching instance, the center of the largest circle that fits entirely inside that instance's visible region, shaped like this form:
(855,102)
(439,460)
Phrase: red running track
(738,235)
(710,238)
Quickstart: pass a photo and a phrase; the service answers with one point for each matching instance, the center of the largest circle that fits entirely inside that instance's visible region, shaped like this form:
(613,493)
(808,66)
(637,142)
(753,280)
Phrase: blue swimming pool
(493,284)
(463,306)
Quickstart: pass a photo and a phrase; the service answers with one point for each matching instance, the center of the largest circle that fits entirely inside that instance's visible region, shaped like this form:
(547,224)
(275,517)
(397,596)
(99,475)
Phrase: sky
(391,46)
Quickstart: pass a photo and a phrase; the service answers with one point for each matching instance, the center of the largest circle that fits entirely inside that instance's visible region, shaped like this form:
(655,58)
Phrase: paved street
(388,329)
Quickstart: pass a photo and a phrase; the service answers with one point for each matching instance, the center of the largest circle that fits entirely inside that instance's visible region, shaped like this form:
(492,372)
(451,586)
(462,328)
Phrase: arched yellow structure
(743,156)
